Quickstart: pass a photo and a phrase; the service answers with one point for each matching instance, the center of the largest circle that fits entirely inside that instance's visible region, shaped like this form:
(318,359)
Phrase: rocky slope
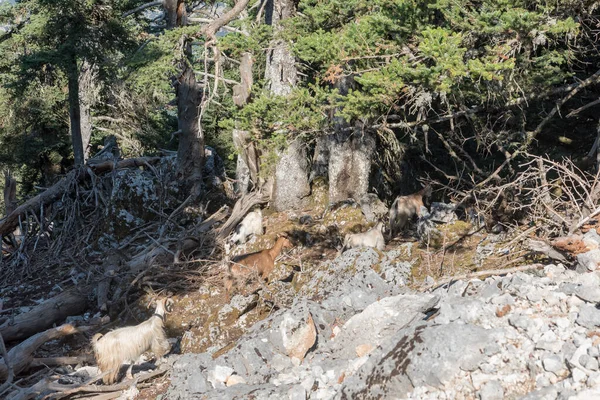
(363,335)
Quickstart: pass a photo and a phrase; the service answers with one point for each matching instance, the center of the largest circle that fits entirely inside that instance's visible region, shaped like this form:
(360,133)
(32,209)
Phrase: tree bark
(44,315)
(21,355)
(350,156)
(350,159)
(176,13)
(190,153)
(291,185)
(74,110)
(87,95)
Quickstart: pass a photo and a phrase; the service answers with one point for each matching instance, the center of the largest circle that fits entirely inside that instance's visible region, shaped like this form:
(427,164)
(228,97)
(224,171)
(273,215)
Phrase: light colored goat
(406,207)
(261,263)
(250,225)
(127,344)
(371,238)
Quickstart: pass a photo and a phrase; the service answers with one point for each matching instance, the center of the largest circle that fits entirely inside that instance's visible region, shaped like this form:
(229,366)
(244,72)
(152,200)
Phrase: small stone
(591,294)
(503,299)
(589,316)
(589,260)
(492,390)
(364,349)
(297,392)
(553,363)
(593,351)
(591,364)
(234,380)
(578,375)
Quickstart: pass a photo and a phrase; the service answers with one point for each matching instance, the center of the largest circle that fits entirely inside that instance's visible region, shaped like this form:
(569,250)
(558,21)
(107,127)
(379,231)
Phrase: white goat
(127,344)
(250,225)
(371,238)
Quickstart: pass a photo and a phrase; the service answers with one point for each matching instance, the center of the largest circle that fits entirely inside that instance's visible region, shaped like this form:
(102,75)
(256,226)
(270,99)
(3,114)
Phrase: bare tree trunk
(350,156)
(190,153)
(10,193)
(74,111)
(290,186)
(246,170)
(350,159)
(176,13)
(87,97)
(248,161)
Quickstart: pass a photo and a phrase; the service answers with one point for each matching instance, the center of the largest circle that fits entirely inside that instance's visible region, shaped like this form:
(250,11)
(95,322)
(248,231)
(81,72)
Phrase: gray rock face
(443,213)
(372,207)
(519,336)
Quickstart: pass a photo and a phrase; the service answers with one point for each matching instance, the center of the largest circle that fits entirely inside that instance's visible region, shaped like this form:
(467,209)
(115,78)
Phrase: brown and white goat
(406,207)
(371,238)
(128,343)
(261,263)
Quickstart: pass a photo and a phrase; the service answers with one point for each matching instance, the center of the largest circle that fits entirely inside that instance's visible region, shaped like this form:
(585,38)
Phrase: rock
(553,363)
(443,213)
(492,390)
(588,261)
(589,316)
(298,335)
(219,375)
(234,380)
(591,294)
(372,207)
(364,349)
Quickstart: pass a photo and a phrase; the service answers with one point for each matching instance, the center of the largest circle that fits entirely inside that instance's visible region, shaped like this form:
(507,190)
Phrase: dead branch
(10,371)
(142,8)
(589,81)
(44,315)
(584,220)
(58,361)
(488,272)
(539,246)
(211,29)
(11,221)
(580,109)
(21,355)
(241,208)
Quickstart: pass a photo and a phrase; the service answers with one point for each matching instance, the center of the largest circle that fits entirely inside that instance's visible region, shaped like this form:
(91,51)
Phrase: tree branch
(211,29)
(142,8)
(226,27)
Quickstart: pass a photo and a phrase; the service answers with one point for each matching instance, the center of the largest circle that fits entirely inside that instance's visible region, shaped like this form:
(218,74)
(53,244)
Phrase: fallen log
(59,361)
(20,356)
(44,315)
(55,192)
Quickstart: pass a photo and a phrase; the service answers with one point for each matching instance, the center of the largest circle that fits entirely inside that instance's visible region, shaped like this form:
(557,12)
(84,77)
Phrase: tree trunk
(190,153)
(176,13)
(291,172)
(248,161)
(74,111)
(320,159)
(350,158)
(87,97)
(291,183)
(246,170)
